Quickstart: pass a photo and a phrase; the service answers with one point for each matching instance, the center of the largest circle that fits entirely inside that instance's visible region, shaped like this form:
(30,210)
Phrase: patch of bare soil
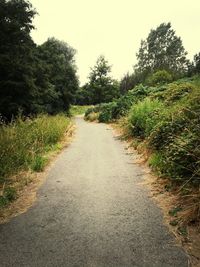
(27,183)
(174,206)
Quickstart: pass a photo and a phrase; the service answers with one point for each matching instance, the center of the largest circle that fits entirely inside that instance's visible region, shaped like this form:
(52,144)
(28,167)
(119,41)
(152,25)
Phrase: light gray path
(91,211)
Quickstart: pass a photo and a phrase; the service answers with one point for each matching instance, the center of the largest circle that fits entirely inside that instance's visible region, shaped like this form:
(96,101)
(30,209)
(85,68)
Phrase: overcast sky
(113,28)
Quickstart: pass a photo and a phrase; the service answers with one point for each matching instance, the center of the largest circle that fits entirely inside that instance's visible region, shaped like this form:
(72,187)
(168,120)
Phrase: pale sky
(114,28)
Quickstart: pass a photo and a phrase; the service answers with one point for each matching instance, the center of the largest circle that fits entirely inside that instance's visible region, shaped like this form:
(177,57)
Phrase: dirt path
(91,211)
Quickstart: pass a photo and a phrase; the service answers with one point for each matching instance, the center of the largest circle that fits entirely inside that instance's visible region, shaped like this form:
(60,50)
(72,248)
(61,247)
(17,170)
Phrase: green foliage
(23,142)
(92,109)
(144,116)
(38,163)
(176,135)
(177,91)
(196,64)
(83,95)
(159,77)
(101,87)
(106,112)
(9,195)
(162,50)
(16,57)
(114,110)
(34,79)
(78,110)
(57,58)
(156,161)
(129,81)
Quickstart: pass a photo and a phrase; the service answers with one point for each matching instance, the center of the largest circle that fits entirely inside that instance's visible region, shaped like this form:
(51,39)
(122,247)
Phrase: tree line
(43,78)
(161,58)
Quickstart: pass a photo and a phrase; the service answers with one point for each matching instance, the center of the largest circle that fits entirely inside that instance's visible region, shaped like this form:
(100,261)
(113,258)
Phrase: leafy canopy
(162,50)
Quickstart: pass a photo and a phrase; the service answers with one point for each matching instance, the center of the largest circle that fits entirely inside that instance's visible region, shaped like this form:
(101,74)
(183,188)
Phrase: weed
(38,163)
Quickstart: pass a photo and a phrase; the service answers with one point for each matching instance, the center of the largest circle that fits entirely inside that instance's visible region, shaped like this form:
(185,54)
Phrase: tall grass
(23,142)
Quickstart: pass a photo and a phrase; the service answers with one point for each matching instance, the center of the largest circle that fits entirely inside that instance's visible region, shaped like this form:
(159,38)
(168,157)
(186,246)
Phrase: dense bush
(176,135)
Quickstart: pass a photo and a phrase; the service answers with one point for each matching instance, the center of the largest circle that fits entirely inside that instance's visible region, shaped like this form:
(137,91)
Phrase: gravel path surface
(91,212)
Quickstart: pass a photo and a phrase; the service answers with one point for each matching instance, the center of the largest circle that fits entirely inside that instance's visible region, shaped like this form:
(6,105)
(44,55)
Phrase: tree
(16,57)
(83,95)
(129,81)
(101,86)
(197,63)
(162,50)
(58,57)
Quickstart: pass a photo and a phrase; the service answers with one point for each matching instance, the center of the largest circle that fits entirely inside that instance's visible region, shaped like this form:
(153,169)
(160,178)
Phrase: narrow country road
(92,211)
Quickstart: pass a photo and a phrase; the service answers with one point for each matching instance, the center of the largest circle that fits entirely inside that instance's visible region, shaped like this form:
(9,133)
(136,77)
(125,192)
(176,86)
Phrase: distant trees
(101,87)
(162,50)
(197,63)
(129,81)
(33,78)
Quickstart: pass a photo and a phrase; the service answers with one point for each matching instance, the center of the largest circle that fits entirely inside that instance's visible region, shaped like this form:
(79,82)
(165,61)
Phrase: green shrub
(94,109)
(106,112)
(144,116)
(177,91)
(159,77)
(176,135)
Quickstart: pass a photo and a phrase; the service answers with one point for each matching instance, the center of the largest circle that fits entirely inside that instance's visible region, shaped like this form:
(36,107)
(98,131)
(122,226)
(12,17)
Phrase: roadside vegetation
(78,110)
(25,146)
(166,120)
(35,80)
(159,109)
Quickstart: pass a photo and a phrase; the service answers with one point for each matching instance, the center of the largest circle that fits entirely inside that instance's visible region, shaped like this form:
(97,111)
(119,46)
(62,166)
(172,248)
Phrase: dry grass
(27,183)
(25,147)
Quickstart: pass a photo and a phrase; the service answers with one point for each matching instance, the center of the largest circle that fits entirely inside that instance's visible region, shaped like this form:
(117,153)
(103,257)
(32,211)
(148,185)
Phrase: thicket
(23,145)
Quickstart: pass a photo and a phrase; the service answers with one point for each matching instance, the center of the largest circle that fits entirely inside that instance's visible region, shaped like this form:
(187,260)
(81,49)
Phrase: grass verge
(26,147)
